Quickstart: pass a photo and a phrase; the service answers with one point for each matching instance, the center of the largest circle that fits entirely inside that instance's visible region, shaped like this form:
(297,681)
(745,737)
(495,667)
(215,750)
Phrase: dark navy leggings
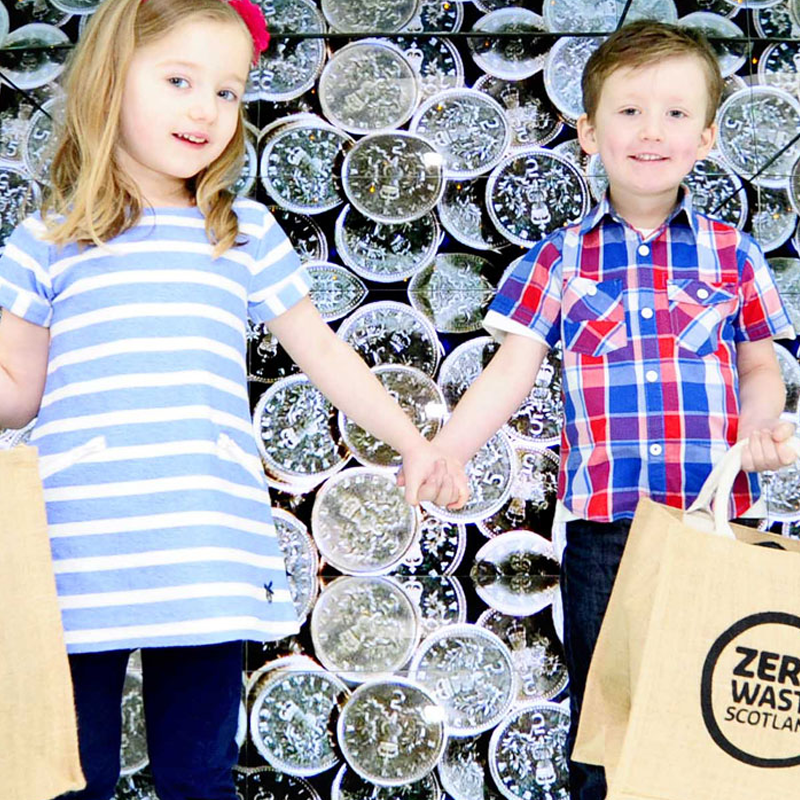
(191,702)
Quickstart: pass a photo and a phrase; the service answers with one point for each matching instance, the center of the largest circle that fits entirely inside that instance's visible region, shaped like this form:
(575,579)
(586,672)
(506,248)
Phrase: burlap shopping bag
(38,736)
(694,690)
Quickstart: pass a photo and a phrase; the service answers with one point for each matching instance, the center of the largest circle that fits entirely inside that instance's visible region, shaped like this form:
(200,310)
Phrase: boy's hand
(768,447)
(429,475)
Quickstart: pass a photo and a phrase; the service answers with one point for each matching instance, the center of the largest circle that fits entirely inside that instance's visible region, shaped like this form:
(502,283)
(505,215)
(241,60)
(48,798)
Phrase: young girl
(125,307)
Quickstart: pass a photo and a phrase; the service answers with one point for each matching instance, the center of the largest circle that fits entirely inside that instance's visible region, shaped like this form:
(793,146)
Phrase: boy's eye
(628,112)
(180,83)
(227,94)
(677,113)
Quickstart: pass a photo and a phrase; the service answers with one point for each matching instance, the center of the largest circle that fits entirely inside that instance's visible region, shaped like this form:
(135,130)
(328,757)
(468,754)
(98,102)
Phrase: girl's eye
(676,113)
(628,112)
(180,83)
(227,94)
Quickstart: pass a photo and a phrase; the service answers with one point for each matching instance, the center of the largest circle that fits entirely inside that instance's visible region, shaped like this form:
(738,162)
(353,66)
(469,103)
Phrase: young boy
(666,319)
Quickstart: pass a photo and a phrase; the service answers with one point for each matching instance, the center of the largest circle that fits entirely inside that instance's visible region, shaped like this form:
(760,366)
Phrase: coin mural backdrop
(413,150)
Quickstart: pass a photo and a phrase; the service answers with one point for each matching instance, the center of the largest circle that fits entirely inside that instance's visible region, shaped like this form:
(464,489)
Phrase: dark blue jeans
(191,703)
(588,569)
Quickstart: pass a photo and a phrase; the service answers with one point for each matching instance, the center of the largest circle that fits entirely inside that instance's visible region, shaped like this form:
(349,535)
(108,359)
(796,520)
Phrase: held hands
(429,475)
(768,447)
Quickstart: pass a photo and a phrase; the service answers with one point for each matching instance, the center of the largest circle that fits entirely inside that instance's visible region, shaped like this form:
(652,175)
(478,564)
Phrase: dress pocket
(594,316)
(698,311)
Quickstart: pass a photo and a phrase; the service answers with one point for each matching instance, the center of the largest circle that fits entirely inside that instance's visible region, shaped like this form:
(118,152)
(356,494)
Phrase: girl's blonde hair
(91,194)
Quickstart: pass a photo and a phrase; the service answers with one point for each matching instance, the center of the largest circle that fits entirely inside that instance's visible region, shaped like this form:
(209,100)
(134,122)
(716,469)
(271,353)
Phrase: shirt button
(591,290)
(655,449)
(702,294)
(644,250)
(651,376)
(647,313)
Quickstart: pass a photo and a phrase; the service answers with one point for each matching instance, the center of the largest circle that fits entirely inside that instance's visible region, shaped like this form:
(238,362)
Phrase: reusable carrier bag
(38,736)
(693,692)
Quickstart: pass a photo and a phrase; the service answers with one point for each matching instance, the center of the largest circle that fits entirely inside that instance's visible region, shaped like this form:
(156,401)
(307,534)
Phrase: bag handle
(716,491)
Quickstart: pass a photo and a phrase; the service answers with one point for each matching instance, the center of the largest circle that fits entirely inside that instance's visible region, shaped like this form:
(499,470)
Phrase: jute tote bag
(38,737)
(694,689)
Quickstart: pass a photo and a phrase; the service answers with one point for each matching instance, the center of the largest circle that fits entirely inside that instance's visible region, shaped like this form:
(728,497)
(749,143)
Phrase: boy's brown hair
(643,43)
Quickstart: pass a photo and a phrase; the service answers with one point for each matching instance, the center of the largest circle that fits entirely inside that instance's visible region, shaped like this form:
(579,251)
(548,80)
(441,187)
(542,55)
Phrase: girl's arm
(343,377)
(24,349)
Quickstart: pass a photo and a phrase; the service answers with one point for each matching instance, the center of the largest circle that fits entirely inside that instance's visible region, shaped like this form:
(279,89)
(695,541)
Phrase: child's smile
(181,105)
(650,129)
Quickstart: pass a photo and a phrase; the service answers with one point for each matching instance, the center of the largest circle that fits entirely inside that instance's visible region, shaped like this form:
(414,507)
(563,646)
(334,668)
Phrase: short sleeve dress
(157,507)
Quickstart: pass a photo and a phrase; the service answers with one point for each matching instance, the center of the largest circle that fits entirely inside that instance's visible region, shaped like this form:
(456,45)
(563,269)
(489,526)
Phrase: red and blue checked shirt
(649,329)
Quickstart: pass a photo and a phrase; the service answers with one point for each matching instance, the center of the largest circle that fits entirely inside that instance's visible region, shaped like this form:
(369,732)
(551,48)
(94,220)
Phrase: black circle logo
(707,682)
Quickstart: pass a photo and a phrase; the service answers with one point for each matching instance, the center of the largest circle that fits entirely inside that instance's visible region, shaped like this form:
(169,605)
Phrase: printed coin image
(470,672)
(364,627)
(509,57)
(754,125)
(368,86)
(440,600)
(296,433)
(534,191)
(302,561)
(289,67)
(531,117)
(463,769)
(299,166)
(437,550)
(306,236)
(436,61)
(393,177)
(794,186)
(290,719)
(19,196)
(389,332)
(361,522)
(533,493)
(453,292)
(384,252)
(335,291)
(421,399)
(133,754)
(536,651)
(40,142)
(439,16)
(265,783)
(467,127)
(516,573)
(528,753)
(359,16)
(731,55)
(462,211)
(773,220)
(349,785)
(717,191)
(577,16)
(31,55)
(391,732)
(563,70)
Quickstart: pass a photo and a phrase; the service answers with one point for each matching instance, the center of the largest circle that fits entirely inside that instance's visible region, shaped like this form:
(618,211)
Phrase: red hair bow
(256,24)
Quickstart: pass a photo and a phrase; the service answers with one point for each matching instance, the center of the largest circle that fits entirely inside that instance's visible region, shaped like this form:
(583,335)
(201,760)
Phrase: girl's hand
(768,447)
(428,475)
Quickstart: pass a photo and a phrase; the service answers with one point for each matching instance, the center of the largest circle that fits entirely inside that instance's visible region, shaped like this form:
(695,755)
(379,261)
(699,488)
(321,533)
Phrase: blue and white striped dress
(157,507)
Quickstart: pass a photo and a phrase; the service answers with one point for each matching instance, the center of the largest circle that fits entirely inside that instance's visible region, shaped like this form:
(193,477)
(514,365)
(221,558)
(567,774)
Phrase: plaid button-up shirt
(649,329)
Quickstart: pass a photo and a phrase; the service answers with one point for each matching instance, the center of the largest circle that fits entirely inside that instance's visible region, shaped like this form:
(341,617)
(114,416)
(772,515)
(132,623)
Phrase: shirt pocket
(594,316)
(698,312)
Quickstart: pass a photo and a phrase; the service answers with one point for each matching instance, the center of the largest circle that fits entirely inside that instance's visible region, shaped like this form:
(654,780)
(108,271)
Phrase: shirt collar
(605,209)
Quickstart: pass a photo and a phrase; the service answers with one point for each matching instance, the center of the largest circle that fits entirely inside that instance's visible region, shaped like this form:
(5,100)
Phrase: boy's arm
(493,397)
(762,396)
(343,377)
(24,349)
